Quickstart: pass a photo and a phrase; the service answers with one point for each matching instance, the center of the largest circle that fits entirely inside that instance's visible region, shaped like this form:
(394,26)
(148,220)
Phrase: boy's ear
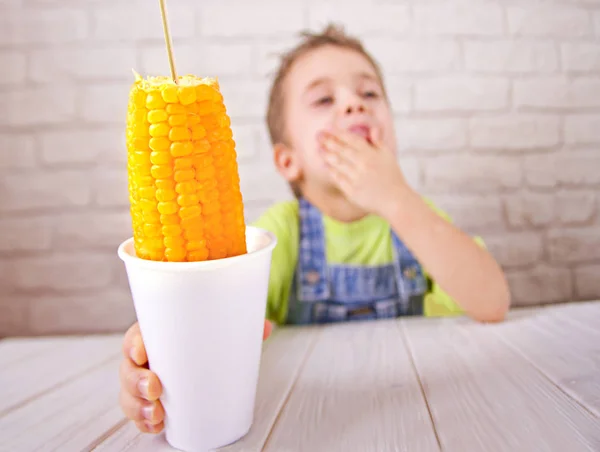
(286,162)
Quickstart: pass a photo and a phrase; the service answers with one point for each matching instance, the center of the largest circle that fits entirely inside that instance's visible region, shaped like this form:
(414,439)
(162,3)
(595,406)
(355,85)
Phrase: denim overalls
(324,293)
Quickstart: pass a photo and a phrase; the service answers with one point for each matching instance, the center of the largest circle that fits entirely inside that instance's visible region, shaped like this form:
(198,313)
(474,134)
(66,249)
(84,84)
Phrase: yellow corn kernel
(161,171)
(187,95)
(172,230)
(180,149)
(167,208)
(188,212)
(163,195)
(152,230)
(160,130)
(169,95)
(165,184)
(177,120)
(186,188)
(161,158)
(179,134)
(154,101)
(183,163)
(175,255)
(156,116)
(171,219)
(187,200)
(174,242)
(176,109)
(160,144)
(198,132)
(185,175)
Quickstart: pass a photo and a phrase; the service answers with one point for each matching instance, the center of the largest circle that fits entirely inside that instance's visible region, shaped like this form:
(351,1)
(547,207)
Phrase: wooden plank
(30,378)
(13,349)
(483,396)
(564,349)
(357,392)
(68,418)
(283,355)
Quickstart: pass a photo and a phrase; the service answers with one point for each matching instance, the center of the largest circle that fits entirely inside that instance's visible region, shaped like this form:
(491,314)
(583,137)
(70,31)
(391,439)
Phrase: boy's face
(330,88)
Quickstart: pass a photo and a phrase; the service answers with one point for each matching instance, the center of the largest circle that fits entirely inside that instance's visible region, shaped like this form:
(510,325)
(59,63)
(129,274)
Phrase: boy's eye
(370,94)
(324,100)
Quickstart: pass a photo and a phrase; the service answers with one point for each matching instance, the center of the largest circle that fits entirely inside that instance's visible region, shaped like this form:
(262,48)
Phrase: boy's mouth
(362,130)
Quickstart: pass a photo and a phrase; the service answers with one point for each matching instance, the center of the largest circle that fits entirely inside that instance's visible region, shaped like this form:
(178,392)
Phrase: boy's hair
(332,35)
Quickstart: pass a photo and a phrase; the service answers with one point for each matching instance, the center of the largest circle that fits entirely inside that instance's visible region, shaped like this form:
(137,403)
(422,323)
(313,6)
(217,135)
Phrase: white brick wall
(497,110)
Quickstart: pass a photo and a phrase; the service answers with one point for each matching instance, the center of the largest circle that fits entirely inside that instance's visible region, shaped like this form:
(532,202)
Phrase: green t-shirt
(364,242)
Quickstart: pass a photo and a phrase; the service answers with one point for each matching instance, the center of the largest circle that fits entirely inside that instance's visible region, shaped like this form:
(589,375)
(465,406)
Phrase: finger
(133,345)
(333,146)
(267,330)
(340,164)
(149,428)
(140,410)
(352,140)
(341,180)
(139,381)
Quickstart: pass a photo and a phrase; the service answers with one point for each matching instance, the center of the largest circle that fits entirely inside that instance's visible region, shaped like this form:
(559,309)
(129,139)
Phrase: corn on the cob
(184,186)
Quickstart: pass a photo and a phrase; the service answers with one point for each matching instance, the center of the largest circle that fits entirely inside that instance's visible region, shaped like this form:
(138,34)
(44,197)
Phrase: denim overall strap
(410,278)
(311,273)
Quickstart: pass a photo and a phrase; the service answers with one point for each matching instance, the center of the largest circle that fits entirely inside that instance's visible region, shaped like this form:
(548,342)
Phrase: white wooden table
(530,384)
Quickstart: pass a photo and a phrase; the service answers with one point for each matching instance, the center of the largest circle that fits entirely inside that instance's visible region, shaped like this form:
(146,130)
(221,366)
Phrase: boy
(356,241)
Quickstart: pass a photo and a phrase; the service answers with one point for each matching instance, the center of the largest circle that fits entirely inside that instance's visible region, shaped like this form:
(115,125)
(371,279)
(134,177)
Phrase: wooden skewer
(163,10)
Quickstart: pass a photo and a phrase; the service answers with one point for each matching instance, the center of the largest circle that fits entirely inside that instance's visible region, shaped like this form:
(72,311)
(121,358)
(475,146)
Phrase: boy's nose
(356,107)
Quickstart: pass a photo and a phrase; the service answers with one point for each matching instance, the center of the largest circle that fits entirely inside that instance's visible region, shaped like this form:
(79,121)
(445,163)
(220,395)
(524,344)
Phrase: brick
(581,57)
(100,312)
(515,132)
(587,282)
(415,56)
(574,245)
(260,182)
(135,21)
(582,129)
(207,59)
(250,19)
(386,19)
(540,170)
(473,212)
(105,103)
(483,174)
(399,92)
(14,66)
(35,190)
(111,188)
(14,313)
(267,54)
(578,168)
(575,207)
(52,106)
(530,209)
(244,98)
(245,136)
(557,93)
(431,134)
(63,272)
(458,18)
(82,64)
(519,249)
(16,151)
(461,94)
(550,21)
(80,146)
(102,230)
(43,26)
(25,234)
(510,57)
(541,285)
(411,169)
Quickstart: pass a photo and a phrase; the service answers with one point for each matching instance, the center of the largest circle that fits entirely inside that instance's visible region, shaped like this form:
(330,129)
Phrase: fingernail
(143,387)
(148,411)
(151,427)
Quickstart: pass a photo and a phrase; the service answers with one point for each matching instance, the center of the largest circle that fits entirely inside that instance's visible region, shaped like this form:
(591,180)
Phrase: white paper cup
(202,325)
